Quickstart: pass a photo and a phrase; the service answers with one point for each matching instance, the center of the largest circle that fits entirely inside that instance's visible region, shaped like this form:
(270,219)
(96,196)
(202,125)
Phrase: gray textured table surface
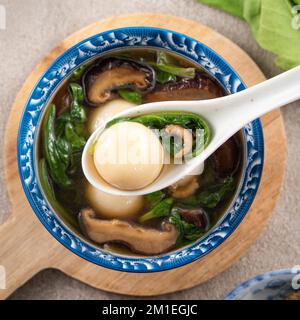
(34,27)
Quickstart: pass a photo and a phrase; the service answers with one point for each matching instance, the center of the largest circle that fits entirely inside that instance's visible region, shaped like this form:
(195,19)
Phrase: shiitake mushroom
(226,159)
(139,239)
(200,87)
(103,79)
(196,216)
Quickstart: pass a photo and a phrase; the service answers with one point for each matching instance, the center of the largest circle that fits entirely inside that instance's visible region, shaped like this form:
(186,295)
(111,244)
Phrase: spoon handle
(234,111)
(275,92)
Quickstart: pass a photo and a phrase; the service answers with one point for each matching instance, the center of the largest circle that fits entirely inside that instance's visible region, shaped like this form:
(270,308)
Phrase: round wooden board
(28,248)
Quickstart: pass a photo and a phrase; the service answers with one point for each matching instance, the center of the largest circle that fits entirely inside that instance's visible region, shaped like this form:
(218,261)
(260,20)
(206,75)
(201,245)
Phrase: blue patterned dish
(135,37)
(274,285)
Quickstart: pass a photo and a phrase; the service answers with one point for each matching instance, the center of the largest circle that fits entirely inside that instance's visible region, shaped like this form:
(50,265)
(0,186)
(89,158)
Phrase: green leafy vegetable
(50,195)
(177,71)
(274,23)
(186,230)
(77,113)
(60,123)
(64,137)
(154,198)
(63,150)
(162,209)
(130,96)
(214,194)
(55,152)
(168,65)
(77,142)
(190,201)
(159,120)
(75,161)
(77,74)
(164,77)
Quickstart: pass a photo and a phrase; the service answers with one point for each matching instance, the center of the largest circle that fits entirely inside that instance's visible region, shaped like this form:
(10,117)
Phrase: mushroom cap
(128,155)
(103,78)
(226,159)
(200,87)
(139,239)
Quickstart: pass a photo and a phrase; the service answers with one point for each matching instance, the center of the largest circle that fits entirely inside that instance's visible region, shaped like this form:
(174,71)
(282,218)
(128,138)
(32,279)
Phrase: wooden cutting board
(27,248)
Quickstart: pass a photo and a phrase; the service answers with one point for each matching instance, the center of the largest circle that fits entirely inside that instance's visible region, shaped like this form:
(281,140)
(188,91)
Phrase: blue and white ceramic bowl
(61,68)
(274,285)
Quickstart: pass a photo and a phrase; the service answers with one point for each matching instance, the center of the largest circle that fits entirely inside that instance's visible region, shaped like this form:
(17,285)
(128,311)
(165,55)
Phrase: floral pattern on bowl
(274,285)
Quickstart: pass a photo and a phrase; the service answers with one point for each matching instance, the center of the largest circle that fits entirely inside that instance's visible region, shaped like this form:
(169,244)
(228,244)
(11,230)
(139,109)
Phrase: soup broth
(152,224)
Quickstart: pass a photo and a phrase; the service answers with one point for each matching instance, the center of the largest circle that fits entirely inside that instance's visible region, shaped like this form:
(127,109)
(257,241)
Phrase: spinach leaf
(168,65)
(162,209)
(77,74)
(77,142)
(64,137)
(47,187)
(75,161)
(63,151)
(78,112)
(55,153)
(177,71)
(189,201)
(186,230)
(60,123)
(154,198)
(164,77)
(214,194)
(159,120)
(130,96)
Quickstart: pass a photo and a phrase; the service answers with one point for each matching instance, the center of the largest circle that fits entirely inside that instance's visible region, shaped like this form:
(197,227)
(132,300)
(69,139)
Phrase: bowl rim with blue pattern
(95,46)
(273,281)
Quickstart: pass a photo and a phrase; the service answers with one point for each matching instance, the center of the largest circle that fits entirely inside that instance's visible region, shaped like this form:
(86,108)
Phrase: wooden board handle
(22,251)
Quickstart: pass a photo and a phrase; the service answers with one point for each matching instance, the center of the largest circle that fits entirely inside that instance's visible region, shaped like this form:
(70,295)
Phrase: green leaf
(63,149)
(177,71)
(186,230)
(272,23)
(154,198)
(234,7)
(78,112)
(189,201)
(164,77)
(77,142)
(130,96)
(75,162)
(162,209)
(60,123)
(77,74)
(213,195)
(55,151)
(50,195)
(159,120)
(169,65)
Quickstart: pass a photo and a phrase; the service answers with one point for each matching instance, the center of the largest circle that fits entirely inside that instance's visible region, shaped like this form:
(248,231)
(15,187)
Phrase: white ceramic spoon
(226,116)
